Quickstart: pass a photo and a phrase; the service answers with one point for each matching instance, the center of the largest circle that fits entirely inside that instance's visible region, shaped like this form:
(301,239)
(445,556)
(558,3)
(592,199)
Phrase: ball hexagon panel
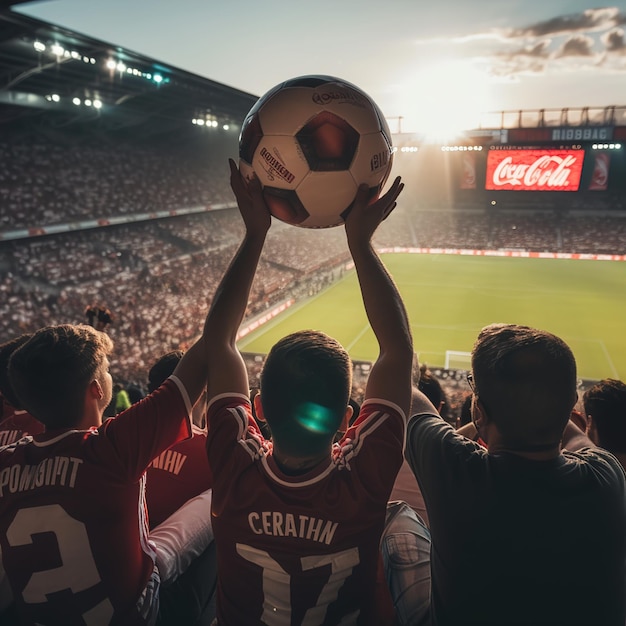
(331,193)
(328,142)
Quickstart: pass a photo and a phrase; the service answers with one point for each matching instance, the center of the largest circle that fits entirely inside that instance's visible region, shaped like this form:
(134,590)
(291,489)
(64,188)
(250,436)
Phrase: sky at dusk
(435,64)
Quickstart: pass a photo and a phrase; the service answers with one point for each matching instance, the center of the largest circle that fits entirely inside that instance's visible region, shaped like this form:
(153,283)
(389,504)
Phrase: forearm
(231,297)
(383,304)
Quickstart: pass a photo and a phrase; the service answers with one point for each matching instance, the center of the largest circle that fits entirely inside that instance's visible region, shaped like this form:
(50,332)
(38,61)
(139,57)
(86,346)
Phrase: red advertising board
(534,170)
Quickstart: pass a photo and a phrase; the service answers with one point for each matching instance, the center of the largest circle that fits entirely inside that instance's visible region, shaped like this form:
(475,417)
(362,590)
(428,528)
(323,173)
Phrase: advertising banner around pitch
(534,170)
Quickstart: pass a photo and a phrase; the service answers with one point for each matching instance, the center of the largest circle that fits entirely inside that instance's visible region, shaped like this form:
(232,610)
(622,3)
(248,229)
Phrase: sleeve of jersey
(433,444)
(152,425)
(375,445)
(232,433)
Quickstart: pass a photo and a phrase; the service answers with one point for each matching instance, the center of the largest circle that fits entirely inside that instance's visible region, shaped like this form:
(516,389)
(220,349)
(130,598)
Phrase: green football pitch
(449,298)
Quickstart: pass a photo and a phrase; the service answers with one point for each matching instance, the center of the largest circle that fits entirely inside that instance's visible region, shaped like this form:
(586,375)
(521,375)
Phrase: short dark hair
(606,403)
(52,371)
(163,369)
(305,389)
(430,386)
(526,380)
(6,350)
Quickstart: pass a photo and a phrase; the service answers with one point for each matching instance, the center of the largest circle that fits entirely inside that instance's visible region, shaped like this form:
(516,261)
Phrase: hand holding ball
(311,141)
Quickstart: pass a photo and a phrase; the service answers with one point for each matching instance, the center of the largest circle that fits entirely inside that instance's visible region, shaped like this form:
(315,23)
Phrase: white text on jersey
(279,524)
(57,470)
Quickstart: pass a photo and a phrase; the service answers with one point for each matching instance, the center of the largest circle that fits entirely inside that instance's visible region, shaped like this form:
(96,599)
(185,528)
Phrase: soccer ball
(311,141)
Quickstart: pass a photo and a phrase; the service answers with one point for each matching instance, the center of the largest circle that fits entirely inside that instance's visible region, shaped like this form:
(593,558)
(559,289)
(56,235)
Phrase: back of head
(163,368)
(6,351)
(605,402)
(305,389)
(431,387)
(51,372)
(525,379)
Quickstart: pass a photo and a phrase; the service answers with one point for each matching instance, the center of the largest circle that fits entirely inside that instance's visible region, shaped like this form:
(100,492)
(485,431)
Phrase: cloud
(576,46)
(591,40)
(589,20)
(540,49)
(614,41)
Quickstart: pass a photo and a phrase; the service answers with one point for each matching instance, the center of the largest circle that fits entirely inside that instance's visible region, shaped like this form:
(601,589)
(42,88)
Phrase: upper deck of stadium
(53,76)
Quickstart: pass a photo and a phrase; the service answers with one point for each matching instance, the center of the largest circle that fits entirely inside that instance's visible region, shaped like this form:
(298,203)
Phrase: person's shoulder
(421,423)
(227,401)
(380,407)
(597,458)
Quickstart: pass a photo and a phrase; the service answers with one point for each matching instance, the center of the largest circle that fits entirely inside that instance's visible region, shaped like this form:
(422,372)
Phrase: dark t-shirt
(516,541)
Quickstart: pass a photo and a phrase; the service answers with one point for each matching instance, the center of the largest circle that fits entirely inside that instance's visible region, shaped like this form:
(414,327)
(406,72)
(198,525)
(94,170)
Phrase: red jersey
(300,549)
(177,475)
(17,424)
(73,527)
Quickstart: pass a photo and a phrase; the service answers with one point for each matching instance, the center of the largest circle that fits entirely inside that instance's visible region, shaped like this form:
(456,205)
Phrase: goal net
(456,360)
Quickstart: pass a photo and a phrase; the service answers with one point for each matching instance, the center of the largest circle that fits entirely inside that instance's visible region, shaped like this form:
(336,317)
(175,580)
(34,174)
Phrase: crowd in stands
(52,180)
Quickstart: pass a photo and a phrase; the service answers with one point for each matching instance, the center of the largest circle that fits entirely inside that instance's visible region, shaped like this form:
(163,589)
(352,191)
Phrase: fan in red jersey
(15,422)
(298,521)
(182,471)
(73,524)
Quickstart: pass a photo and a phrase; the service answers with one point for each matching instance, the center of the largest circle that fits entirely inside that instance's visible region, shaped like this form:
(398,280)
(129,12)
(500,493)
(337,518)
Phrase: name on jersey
(170,461)
(278,524)
(9,436)
(57,471)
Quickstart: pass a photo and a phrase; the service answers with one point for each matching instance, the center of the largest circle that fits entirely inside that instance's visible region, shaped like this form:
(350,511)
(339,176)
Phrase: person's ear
(345,422)
(95,388)
(592,430)
(479,415)
(258,408)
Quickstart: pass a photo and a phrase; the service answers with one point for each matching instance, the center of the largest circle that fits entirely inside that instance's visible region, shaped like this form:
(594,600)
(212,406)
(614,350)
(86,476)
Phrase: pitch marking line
(356,339)
(608,358)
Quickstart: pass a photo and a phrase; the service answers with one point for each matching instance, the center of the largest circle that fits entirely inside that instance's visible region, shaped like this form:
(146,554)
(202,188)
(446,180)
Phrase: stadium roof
(52,76)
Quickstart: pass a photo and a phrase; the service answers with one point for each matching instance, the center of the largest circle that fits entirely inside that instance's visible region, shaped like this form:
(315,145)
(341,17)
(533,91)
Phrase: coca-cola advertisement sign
(534,170)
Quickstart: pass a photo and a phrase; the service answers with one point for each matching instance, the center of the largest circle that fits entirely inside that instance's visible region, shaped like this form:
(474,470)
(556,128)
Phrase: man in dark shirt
(524,532)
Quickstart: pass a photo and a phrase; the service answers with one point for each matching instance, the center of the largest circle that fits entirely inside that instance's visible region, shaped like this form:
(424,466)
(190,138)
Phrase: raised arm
(216,350)
(390,377)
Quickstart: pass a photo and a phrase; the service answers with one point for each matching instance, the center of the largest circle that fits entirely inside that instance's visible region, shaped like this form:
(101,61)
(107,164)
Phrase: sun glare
(445,98)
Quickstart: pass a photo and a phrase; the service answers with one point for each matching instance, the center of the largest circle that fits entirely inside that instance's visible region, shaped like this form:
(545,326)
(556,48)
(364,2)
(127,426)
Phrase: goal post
(457,360)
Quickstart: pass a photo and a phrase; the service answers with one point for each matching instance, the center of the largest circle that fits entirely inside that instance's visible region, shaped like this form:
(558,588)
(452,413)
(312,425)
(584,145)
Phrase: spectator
(135,392)
(91,314)
(121,399)
(526,506)
(104,318)
(81,487)
(431,388)
(288,510)
(182,471)
(605,407)
(15,422)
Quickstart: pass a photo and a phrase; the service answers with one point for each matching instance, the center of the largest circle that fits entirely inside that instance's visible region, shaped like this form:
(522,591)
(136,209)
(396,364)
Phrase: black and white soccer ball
(311,141)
